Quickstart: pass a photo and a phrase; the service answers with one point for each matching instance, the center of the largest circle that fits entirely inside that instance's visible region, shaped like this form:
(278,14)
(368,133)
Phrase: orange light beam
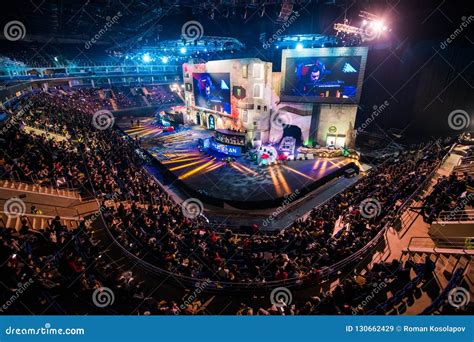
(247,169)
(172,161)
(238,168)
(282,180)
(192,172)
(187,165)
(297,172)
(275,181)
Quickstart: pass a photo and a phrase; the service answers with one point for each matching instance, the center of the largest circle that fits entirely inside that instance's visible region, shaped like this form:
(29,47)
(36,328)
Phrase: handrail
(456,216)
(465,244)
(69,218)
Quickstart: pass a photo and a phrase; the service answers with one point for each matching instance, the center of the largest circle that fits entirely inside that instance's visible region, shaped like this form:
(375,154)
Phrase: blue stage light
(164,59)
(182,50)
(146,58)
(299,46)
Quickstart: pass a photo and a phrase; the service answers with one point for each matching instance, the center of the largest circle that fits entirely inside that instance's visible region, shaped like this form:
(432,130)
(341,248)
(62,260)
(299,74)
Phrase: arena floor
(211,175)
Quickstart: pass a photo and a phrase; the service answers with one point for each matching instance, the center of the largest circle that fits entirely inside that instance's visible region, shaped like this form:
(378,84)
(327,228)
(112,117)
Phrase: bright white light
(146,58)
(182,50)
(299,46)
(378,25)
(364,22)
(384,28)
(56,59)
(164,59)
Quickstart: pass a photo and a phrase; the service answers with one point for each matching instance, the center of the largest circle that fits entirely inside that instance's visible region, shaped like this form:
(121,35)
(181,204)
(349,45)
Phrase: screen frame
(324,52)
(208,110)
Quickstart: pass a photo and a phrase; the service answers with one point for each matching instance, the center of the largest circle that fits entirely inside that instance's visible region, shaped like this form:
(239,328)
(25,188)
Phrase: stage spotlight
(276,46)
(299,46)
(146,58)
(164,60)
(378,25)
(183,50)
(364,22)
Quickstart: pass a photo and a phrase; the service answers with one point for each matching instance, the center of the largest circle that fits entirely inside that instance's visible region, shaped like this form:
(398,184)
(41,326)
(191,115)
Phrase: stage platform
(240,183)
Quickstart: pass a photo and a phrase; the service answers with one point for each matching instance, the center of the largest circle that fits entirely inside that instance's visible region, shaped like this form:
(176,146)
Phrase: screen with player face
(324,75)
(212,91)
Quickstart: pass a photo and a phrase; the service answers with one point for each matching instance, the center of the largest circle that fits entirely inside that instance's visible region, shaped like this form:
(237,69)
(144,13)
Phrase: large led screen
(323,77)
(212,91)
